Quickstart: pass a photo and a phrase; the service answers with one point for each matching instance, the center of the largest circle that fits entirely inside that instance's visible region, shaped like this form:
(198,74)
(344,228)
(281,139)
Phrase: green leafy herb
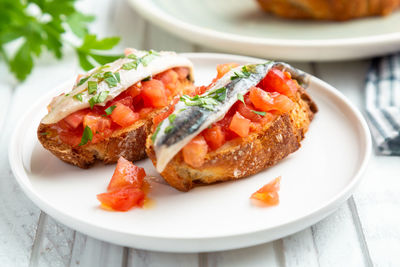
(110,109)
(144,60)
(148,78)
(87,136)
(99,98)
(117,76)
(244,74)
(154,136)
(262,113)
(168,128)
(207,101)
(111,81)
(130,65)
(172,118)
(78,97)
(44,29)
(82,81)
(44,133)
(240,97)
(92,87)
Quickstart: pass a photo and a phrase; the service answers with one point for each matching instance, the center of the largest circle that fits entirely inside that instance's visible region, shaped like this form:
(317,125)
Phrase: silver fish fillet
(193,115)
(63,105)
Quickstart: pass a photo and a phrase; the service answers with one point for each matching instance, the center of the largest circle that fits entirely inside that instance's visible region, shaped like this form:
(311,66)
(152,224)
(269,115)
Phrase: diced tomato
(96,122)
(222,69)
(123,115)
(240,125)
(126,174)
(182,72)
(199,90)
(133,91)
(76,118)
(281,82)
(126,101)
(247,112)
(162,116)
(70,138)
(268,194)
(169,78)
(144,112)
(122,199)
(195,151)
(266,101)
(214,136)
(153,94)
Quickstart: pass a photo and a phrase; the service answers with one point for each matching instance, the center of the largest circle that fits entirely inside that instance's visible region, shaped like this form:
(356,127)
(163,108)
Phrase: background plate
(241,27)
(315,181)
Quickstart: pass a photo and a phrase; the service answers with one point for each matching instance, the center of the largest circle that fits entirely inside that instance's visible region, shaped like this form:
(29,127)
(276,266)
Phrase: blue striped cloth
(383,104)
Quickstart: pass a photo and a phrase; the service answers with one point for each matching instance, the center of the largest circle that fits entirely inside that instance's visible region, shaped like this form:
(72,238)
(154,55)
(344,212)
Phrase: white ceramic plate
(241,27)
(316,180)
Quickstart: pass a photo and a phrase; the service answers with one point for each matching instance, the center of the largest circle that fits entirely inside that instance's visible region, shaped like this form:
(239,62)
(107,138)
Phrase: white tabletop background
(365,231)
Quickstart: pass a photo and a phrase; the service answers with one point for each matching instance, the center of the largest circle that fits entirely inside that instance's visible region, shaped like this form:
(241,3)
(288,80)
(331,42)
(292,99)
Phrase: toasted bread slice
(242,157)
(128,142)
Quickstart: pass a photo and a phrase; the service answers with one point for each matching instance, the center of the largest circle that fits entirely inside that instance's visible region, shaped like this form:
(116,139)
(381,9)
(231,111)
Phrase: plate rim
(145,7)
(152,13)
(20,174)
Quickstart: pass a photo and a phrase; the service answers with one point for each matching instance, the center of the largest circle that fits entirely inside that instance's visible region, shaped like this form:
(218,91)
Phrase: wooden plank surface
(364,231)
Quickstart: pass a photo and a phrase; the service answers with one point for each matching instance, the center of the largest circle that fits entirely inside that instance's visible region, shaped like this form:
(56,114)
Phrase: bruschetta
(109,111)
(249,118)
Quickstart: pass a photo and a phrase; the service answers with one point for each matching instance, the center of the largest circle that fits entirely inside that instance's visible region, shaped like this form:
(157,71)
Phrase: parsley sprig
(32,33)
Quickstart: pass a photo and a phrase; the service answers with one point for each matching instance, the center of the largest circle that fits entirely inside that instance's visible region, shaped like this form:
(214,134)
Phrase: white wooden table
(365,231)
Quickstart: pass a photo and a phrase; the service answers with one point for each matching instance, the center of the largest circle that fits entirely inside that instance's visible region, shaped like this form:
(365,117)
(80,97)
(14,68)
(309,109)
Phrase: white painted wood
(261,255)
(88,251)
(299,249)
(142,258)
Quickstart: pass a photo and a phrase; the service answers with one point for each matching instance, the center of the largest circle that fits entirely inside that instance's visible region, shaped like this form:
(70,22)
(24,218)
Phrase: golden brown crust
(328,9)
(128,142)
(240,158)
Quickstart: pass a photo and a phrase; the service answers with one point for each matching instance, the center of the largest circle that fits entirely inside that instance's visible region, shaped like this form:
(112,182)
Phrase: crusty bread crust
(242,157)
(327,9)
(129,142)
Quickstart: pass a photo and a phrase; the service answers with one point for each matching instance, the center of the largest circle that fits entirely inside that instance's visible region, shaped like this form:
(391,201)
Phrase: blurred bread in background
(329,9)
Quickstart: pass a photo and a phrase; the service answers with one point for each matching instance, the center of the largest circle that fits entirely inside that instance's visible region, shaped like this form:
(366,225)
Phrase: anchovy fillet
(63,105)
(188,121)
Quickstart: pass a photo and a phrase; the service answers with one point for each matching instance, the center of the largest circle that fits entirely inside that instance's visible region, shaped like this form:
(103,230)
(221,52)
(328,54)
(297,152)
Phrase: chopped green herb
(207,101)
(45,133)
(99,98)
(131,56)
(110,109)
(148,78)
(146,59)
(154,136)
(244,74)
(240,97)
(78,97)
(98,75)
(171,118)
(117,76)
(66,94)
(82,81)
(111,81)
(168,129)
(130,65)
(92,87)
(262,113)
(87,136)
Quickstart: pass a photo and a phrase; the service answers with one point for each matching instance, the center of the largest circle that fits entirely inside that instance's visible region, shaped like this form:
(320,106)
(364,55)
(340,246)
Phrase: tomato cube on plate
(126,174)
(122,199)
(268,194)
